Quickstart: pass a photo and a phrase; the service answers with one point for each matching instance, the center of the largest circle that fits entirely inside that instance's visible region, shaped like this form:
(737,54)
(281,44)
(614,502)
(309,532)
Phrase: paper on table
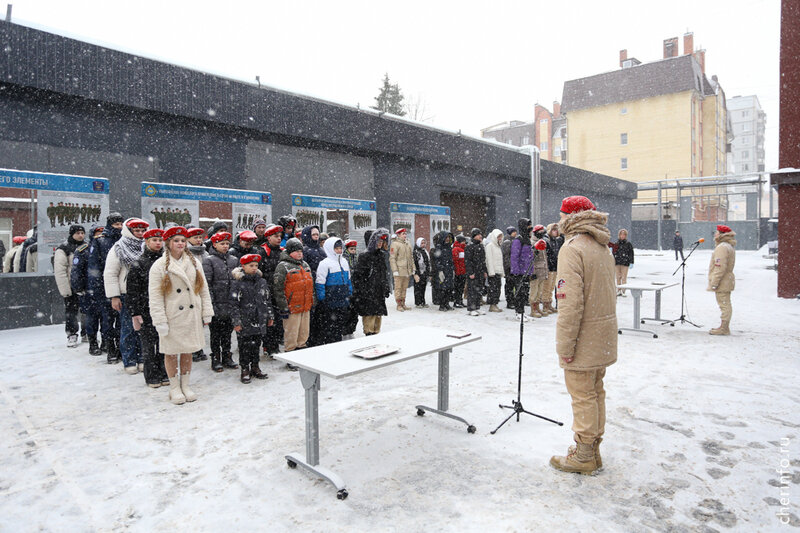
(375,351)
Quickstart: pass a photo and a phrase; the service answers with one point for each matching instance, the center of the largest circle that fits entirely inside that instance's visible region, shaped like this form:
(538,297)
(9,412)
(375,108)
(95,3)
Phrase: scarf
(129,249)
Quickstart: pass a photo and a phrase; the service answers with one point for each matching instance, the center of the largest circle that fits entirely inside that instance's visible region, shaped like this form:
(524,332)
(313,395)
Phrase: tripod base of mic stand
(683,320)
(518,409)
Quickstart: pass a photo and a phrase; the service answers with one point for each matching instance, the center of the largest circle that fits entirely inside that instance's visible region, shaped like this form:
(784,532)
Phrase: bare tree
(417,109)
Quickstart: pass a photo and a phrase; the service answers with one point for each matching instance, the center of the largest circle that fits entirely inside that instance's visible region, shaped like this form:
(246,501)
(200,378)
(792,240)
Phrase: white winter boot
(187,392)
(175,394)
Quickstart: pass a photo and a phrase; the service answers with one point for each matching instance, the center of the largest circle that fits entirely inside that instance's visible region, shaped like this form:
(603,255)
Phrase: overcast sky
(472,63)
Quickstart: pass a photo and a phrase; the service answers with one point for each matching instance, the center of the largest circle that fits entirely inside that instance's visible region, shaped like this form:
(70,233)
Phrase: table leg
(658,318)
(310,381)
(443,393)
(658,305)
(637,302)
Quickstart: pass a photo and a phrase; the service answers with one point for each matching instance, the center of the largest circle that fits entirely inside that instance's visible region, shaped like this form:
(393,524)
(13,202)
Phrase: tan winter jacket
(494,254)
(179,315)
(8,261)
(401,258)
(586,328)
(720,270)
(62,267)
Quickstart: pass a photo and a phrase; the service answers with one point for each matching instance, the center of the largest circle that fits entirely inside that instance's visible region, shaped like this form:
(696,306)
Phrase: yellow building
(650,121)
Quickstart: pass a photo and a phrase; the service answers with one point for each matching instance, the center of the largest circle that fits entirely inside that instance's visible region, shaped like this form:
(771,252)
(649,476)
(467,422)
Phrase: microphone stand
(516,405)
(683,319)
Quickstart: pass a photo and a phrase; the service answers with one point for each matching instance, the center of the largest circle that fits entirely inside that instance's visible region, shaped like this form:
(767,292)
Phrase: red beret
(99,228)
(137,223)
(174,231)
(538,227)
(575,204)
(350,243)
(221,236)
(722,228)
(19,239)
(540,245)
(401,230)
(272,229)
(155,232)
(194,232)
(249,258)
(247,235)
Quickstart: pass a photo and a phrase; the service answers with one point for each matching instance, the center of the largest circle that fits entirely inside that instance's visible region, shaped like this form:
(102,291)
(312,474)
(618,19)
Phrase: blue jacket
(333,285)
(98,251)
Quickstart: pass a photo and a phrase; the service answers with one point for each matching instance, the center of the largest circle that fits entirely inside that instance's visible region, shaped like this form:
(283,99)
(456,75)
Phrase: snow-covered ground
(697,427)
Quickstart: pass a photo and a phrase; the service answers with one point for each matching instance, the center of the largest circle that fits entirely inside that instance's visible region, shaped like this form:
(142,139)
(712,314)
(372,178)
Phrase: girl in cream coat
(494,267)
(180,305)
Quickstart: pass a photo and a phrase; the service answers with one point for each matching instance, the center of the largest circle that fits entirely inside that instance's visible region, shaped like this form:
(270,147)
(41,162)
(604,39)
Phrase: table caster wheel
(342,494)
(471,429)
(420,412)
(673,324)
(655,336)
(619,332)
(291,463)
(642,322)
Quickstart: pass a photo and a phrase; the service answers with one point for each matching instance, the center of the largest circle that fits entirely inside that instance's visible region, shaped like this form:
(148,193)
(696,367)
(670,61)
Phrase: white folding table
(637,288)
(336,361)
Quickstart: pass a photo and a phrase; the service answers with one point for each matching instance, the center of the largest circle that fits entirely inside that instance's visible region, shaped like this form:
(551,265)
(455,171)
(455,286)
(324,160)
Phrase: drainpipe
(536,185)
(658,226)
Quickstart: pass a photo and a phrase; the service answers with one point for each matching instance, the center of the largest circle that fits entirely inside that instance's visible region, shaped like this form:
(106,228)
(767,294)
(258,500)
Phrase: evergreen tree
(390,98)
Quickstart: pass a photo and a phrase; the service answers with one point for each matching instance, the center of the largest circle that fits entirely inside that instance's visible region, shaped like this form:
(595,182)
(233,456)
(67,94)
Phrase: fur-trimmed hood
(727,237)
(238,273)
(593,223)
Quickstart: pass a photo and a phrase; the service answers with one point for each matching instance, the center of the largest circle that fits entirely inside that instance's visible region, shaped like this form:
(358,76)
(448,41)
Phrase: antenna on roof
(8,12)
(258,80)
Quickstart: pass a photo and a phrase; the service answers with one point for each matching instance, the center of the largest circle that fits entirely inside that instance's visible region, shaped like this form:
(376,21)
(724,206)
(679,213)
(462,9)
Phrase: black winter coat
(475,259)
(313,254)
(505,247)
(623,255)
(138,298)
(421,258)
(98,251)
(371,280)
(677,243)
(270,257)
(217,269)
(237,252)
(442,261)
(553,247)
(250,308)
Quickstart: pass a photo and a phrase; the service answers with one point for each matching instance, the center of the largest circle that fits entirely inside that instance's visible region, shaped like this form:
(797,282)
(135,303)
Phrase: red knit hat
(194,232)
(221,236)
(19,239)
(174,231)
(272,229)
(155,232)
(249,258)
(722,228)
(351,244)
(137,223)
(540,245)
(247,235)
(576,204)
(538,227)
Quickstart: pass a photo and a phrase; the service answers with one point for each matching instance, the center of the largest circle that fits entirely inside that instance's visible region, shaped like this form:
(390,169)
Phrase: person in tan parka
(180,305)
(586,329)
(401,260)
(720,276)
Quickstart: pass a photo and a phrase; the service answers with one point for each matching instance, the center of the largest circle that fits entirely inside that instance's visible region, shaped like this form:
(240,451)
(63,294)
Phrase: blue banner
(325,202)
(206,194)
(23,179)
(397,207)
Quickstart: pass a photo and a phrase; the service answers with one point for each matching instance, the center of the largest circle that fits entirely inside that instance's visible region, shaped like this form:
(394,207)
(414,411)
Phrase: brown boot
(545,311)
(494,309)
(596,446)
(400,306)
(256,372)
(405,307)
(723,329)
(535,310)
(581,461)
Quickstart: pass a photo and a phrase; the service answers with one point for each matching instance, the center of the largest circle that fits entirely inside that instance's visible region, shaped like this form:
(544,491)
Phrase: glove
(441,277)
(540,245)
(162,329)
(396,274)
(416,278)
(137,322)
(284,315)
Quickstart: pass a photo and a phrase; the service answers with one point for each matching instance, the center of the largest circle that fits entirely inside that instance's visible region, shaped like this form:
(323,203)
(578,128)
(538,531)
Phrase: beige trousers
(371,324)
(549,288)
(724,303)
(588,403)
(537,290)
(400,288)
(295,331)
(622,275)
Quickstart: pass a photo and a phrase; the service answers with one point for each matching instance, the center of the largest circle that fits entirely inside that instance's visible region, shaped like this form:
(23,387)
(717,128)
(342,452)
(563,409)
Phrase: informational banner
(61,201)
(419,220)
(163,203)
(344,217)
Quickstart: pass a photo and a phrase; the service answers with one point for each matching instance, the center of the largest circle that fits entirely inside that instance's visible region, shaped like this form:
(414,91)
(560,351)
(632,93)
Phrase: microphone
(698,241)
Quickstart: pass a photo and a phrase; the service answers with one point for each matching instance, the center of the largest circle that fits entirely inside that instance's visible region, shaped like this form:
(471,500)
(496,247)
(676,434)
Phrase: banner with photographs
(342,217)
(163,203)
(419,220)
(61,200)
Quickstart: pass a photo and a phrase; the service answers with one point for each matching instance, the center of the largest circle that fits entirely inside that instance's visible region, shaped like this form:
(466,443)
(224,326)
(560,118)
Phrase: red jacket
(458,259)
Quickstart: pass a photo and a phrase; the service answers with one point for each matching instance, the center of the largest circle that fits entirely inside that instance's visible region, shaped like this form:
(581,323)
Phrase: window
(623,138)
(526,140)
(623,111)
(543,121)
(556,150)
(544,146)
(745,167)
(624,163)
(745,113)
(745,154)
